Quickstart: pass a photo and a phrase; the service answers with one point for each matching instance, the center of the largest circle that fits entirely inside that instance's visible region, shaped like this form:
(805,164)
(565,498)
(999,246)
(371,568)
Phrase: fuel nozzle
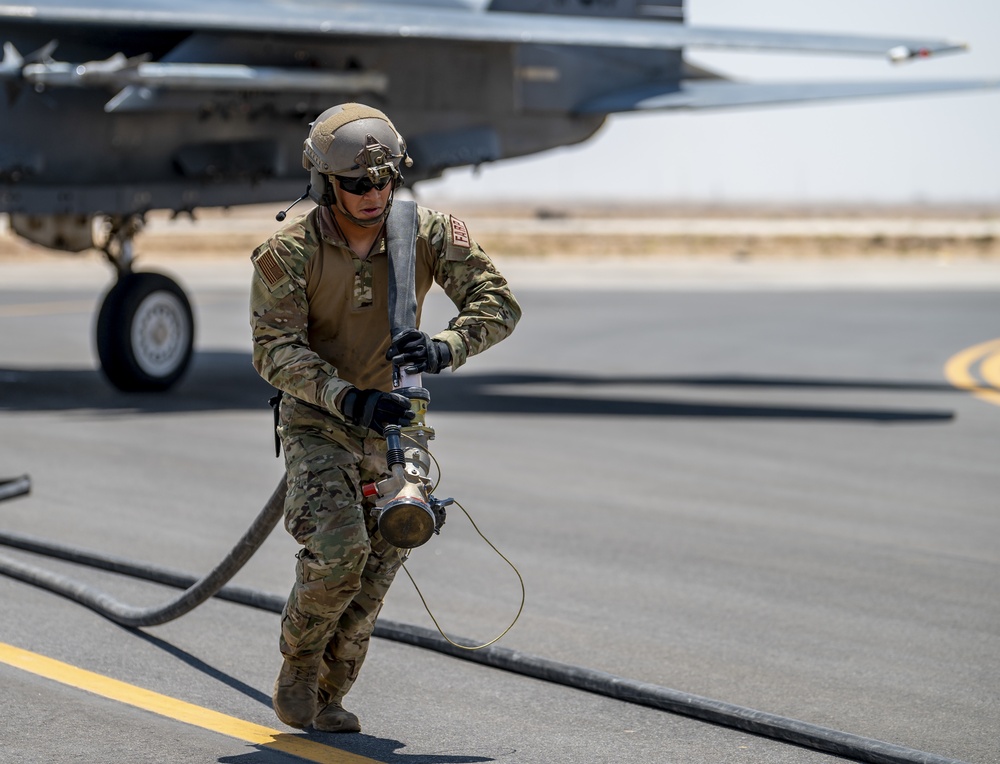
(407,513)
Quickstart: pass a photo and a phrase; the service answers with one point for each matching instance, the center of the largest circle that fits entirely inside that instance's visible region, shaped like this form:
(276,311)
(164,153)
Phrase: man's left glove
(414,351)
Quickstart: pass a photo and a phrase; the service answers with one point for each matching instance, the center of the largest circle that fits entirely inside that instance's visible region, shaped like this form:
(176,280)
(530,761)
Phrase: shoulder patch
(460,234)
(269,267)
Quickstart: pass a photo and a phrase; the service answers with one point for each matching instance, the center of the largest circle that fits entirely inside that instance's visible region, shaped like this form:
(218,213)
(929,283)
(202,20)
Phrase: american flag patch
(268,267)
(460,234)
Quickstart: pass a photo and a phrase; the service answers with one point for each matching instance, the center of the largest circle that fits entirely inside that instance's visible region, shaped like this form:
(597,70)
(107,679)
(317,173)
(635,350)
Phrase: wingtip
(899,54)
(902,53)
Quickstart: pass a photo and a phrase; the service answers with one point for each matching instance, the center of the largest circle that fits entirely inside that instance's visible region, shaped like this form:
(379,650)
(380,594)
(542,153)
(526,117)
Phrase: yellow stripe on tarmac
(989,370)
(176,709)
(977,369)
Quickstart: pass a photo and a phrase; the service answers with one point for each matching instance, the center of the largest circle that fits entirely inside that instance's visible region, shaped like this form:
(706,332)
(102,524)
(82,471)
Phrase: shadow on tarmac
(381,749)
(375,748)
(199,665)
(221,381)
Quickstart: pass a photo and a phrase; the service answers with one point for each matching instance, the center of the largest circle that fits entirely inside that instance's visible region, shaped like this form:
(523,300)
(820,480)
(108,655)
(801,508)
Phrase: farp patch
(268,266)
(460,234)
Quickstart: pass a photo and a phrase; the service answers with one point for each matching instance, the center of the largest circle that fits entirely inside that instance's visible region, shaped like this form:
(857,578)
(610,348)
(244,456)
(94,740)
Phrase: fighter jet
(111,109)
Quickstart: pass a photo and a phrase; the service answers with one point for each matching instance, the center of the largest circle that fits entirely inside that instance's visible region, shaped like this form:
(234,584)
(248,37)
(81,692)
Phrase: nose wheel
(145,328)
(145,333)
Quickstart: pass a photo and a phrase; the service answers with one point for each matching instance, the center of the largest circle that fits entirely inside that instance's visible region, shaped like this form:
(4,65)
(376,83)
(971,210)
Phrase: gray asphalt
(751,485)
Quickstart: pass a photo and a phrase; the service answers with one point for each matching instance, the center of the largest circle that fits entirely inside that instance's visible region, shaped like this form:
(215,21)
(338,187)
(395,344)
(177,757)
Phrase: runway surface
(752,482)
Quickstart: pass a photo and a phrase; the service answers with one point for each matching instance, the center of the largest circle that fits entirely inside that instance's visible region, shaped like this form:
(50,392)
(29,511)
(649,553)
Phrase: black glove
(413,351)
(375,410)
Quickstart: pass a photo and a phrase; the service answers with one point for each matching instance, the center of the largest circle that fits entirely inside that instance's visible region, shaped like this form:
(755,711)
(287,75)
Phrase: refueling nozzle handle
(394,447)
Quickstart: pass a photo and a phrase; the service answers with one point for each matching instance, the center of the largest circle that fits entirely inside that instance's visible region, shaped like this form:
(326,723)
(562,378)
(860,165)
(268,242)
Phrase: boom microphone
(284,213)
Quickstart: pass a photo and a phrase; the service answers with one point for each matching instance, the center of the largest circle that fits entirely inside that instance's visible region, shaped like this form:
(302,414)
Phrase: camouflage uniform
(319,316)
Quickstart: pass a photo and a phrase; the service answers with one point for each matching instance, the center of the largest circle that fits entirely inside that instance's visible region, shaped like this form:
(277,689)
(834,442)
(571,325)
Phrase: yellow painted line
(296,745)
(989,370)
(44,308)
(985,356)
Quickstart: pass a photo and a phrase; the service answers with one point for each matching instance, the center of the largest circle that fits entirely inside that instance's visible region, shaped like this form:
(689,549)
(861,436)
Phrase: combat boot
(334,718)
(295,692)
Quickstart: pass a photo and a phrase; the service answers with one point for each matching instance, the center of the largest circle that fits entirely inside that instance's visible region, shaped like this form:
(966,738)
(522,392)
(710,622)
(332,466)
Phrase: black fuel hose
(768,725)
(135,617)
(12,487)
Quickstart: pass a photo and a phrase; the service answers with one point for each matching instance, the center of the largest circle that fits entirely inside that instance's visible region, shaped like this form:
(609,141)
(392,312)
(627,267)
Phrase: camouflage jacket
(319,314)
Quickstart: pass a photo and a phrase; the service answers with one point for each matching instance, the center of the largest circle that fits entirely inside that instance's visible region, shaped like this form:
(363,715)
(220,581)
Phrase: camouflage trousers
(345,567)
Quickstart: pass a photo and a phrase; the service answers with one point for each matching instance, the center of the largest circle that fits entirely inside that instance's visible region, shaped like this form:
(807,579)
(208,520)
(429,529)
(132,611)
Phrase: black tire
(145,333)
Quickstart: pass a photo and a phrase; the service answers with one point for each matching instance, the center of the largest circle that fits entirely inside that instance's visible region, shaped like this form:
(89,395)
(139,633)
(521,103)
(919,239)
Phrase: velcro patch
(267,265)
(460,234)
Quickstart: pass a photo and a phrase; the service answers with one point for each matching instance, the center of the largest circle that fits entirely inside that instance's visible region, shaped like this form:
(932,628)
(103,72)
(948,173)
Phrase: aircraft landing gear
(145,328)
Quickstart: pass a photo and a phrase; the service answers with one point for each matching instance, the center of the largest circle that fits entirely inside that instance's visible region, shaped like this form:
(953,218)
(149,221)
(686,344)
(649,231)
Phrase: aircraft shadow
(221,380)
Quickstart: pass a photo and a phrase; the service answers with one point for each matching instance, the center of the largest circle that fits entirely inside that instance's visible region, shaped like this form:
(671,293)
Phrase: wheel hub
(158,333)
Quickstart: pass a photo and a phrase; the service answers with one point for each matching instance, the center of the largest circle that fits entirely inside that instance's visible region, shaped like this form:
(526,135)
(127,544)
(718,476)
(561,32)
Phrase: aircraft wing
(718,94)
(455,22)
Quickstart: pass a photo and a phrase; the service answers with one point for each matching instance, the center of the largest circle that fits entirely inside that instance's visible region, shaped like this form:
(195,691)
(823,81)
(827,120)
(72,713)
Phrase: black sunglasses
(361,186)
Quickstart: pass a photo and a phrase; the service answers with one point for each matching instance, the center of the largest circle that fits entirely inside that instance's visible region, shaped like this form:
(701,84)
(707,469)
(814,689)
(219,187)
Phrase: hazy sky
(943,148)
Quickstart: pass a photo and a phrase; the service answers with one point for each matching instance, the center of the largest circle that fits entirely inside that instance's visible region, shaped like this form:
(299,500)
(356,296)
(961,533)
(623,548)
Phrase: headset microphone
(284,213)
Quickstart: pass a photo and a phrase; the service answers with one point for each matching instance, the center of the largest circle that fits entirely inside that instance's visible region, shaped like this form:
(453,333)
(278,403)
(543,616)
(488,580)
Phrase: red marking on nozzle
(369,489)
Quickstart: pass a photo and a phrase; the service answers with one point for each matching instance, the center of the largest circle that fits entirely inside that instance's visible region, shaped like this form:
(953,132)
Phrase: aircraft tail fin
(665,10)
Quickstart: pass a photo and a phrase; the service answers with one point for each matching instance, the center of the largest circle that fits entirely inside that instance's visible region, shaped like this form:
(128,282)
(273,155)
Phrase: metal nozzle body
(404,507)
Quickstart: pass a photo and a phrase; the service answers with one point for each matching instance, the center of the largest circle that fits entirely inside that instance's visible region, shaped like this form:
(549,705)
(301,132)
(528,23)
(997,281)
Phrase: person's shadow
(378,749)
(284,745)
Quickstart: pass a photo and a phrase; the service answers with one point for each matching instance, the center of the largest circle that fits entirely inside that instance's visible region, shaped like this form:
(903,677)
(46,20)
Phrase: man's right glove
(375,409)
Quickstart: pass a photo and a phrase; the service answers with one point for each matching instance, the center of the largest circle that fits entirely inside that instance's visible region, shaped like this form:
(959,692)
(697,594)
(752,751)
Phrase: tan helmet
(351,140)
